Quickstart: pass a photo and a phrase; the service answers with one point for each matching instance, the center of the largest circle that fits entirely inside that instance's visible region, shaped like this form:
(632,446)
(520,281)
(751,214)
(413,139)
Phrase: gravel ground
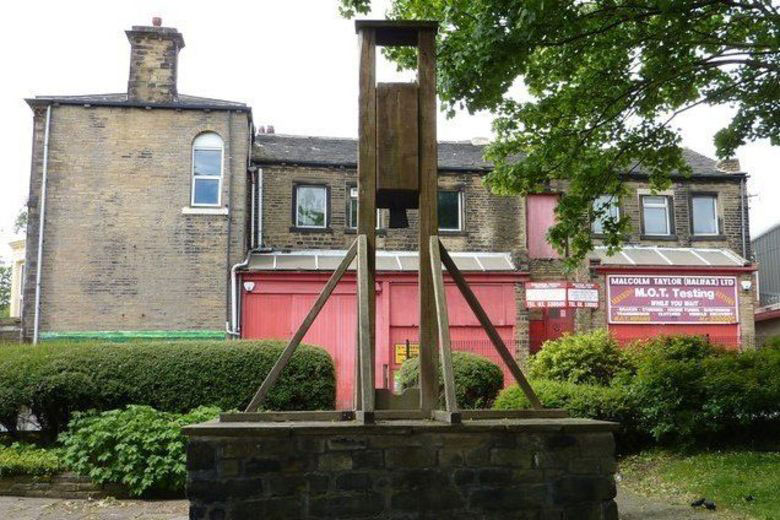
(631,506)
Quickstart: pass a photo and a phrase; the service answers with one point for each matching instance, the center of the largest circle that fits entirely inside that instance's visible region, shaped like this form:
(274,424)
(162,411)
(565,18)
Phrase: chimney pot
(157,21)
(269,129)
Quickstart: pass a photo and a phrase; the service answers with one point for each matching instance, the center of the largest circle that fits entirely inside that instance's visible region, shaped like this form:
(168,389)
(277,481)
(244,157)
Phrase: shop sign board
(694,299)
(561,295)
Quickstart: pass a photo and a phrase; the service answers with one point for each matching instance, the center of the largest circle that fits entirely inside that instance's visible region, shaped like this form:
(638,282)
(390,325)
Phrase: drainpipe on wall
(743,197)
(230,211)
(41,221)
(231,327)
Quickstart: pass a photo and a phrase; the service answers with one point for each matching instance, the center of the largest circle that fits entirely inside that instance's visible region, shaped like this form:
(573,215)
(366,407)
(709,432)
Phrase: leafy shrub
(592,357)
(607,403)
(678,390)
(25,459)
(477,379)
(138,447)
(54,380)
(708,399)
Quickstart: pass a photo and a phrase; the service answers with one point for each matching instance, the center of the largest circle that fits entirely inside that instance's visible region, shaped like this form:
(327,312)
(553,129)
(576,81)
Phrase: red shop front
(274,302)
(643,301)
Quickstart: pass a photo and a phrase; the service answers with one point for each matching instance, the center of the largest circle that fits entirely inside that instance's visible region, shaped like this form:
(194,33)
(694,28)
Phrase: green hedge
(591,357)
(678,390)
(25,459)
(138,447)
(54,380)
(477,380)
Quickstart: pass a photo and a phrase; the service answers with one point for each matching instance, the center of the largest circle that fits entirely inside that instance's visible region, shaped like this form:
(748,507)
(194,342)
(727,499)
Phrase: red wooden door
(547,324)
(540,216)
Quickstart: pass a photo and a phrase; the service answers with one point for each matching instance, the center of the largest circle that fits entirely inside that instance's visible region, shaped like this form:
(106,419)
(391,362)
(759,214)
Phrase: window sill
(664,238)
(352,231)
(452,233)
(705,238)
(196,210)
(294,229)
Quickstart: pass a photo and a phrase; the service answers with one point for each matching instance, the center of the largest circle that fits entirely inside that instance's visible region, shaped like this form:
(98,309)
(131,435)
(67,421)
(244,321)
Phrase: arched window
(207,170)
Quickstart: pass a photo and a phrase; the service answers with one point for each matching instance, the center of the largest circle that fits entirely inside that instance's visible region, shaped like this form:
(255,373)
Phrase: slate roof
(335,151)
(120,99)
(453,155)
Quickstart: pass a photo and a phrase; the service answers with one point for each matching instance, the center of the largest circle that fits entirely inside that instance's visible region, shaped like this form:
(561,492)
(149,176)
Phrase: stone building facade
(490,222)
(158,205)
(126,249)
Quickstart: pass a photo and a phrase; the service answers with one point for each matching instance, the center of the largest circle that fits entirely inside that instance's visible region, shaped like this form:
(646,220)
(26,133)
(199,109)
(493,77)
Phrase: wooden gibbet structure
(397,169)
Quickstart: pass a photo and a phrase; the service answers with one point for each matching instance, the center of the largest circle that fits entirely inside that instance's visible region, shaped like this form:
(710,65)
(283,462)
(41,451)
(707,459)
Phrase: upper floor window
(656,215)
(310,206)
(450,210)
(704,212)
(540,217)
(207,170)
(608,205)
(352,206)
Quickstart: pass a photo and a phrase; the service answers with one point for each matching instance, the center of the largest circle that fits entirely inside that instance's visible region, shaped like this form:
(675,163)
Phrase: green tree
(602,82)
(20,223)
(5,286)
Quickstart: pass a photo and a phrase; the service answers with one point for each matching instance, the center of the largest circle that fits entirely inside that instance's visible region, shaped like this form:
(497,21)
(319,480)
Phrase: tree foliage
(20,222)
(5,286)
(603,81)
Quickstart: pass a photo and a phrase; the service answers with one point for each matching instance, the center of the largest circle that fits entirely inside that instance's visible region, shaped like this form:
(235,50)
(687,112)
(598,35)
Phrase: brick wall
(119,254)
(491,222)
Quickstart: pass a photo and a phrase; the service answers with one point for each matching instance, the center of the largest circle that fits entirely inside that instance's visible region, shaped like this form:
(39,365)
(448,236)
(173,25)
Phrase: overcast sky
(293,61)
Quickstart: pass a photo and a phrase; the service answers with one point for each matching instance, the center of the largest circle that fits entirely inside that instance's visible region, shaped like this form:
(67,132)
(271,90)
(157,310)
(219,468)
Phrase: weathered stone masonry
(559,469)
(122,248)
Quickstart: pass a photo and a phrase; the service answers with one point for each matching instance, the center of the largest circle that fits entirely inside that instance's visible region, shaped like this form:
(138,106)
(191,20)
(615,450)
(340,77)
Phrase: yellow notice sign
(404,352)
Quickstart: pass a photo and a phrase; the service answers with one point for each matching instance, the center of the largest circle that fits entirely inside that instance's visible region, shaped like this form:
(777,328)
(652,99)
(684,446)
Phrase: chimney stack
(728,165)
(154,54)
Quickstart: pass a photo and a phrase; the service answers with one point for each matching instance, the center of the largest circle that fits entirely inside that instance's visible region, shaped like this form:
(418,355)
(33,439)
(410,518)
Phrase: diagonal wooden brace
(288,351)
(491,331)
(443,320)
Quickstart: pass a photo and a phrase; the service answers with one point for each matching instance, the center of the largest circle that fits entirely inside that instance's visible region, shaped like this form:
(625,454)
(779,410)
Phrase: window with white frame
(352,207)
(450,210)
(311,206)
(207,159)
(604,207)
(656,219)
(704,211)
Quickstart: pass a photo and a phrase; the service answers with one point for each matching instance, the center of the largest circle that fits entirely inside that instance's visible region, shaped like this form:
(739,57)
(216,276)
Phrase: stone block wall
(120,251)
(559,469)
(491,222)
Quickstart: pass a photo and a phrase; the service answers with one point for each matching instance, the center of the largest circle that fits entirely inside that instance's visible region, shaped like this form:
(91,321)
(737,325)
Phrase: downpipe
(231,327)
(41,223)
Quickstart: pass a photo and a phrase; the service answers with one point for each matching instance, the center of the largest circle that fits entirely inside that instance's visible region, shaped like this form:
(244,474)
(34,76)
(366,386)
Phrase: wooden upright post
(367,186)
(429,336)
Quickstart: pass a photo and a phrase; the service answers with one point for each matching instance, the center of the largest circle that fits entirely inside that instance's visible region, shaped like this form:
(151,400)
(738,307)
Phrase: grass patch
(729,478)
(24,459)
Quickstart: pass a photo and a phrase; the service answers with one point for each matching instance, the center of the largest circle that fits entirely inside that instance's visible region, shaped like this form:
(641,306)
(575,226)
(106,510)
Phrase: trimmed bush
(477,379)
(607,403)
(25,459)
(714,398)
(591,357)
(138,447)
(677,390)
(55,380)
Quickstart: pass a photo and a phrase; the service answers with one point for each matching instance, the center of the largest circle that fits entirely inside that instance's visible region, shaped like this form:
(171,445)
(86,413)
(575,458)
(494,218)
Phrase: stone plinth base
(523,468)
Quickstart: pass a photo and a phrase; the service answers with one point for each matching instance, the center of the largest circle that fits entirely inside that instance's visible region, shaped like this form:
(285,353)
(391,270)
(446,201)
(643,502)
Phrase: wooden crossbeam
(491,331)
(443,322)
(289,350)
(364,328)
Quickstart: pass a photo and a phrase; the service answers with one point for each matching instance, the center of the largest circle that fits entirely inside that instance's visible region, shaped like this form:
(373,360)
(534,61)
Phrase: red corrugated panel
(279,302)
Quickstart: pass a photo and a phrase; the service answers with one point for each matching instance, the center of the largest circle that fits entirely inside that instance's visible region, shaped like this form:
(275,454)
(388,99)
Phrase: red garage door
(279,301)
